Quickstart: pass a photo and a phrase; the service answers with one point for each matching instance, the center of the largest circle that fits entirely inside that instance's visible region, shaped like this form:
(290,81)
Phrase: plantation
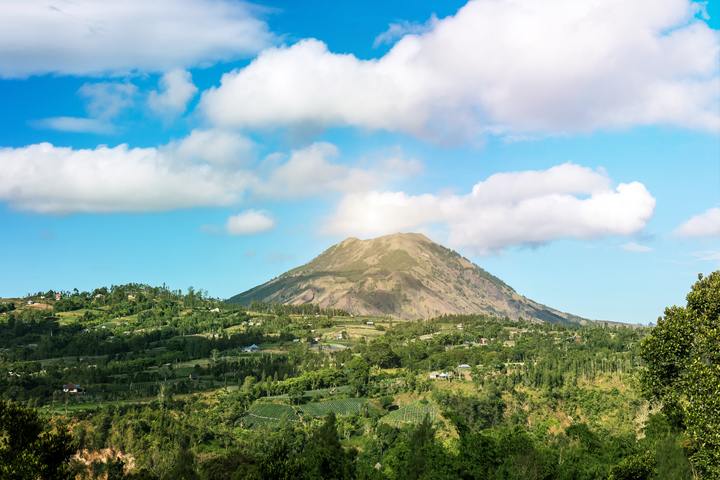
(412,414)
(344,406)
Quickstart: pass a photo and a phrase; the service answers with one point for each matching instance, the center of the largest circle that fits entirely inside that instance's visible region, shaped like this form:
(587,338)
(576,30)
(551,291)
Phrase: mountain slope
(404,275)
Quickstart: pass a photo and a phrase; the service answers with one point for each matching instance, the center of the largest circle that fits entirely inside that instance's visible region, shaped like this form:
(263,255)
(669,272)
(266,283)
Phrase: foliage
(683,370)
(29,448)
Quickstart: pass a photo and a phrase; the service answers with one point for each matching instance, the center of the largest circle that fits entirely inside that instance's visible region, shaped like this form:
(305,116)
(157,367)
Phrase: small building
(251,349)
(58,296)
(463,366)
(439,375)
(215,310)
(369,322)
(72,388)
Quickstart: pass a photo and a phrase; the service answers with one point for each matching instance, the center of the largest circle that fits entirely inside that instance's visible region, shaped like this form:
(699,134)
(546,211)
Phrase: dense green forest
(138,382)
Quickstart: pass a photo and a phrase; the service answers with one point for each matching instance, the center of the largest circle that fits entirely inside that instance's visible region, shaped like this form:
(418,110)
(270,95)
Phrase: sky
(570,147)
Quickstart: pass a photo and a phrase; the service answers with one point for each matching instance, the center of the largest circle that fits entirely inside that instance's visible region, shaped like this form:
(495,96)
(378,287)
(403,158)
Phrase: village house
(72,388)
(251,349)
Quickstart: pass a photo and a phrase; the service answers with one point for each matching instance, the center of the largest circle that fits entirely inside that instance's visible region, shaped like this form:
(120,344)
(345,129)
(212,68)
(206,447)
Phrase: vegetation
(135,381)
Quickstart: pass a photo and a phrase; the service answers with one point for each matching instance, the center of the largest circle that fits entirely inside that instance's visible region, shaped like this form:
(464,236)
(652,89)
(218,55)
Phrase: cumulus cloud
(86,37)
(636,247)
(48,179)
(176,90)
(520,208)
(310,171)
(706,224)
(507,67)
(205,168)
(103,101)
(249,222)
(217,147)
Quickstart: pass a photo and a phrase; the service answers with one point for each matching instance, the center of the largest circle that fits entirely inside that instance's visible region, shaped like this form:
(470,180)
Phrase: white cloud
(509,67)
(706,224)
(636,247)
(103,102)
(249,222)
(310,171)
(521,208)
(107,99)
(205,168)
(48,179)
(85,37)
(76,125)
(217,147)
(176,90)
(398,30)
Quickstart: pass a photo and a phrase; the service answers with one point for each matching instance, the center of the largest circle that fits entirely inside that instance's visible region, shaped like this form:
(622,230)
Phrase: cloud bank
(85,37)
(205,168)
(507,67)
(506,209)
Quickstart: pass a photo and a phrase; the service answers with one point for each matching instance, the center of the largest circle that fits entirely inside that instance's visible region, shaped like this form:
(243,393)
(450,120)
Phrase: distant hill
(405,275)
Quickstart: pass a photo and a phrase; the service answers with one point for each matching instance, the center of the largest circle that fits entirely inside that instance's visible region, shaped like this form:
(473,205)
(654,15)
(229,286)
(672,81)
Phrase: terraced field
(269,414)
(410,414)
(343,406)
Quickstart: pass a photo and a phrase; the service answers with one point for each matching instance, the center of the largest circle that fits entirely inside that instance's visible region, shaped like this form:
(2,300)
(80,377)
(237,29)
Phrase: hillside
(405,275)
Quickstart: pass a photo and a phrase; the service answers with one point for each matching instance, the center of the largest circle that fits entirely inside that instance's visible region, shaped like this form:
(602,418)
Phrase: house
(58,296)
(251,349)
(439,375)
(369,323)
(72,388)
(215,310)
(463,366)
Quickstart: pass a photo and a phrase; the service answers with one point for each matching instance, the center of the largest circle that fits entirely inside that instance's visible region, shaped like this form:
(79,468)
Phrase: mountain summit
(405,275)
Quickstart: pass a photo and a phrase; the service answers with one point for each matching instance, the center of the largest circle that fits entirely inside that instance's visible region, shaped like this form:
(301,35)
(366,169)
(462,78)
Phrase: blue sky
(573,151)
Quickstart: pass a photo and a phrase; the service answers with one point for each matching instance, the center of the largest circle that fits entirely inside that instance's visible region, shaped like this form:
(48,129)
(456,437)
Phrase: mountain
(405,275)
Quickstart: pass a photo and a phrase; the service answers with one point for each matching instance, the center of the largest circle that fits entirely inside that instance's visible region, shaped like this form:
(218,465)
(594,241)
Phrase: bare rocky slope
(405,275)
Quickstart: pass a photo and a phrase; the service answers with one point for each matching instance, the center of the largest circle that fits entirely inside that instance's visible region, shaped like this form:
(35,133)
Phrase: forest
(143,382)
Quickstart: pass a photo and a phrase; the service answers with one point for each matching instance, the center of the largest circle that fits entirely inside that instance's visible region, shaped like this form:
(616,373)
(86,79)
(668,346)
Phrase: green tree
(29,448)
(323,456)
(683,370)
(358,375)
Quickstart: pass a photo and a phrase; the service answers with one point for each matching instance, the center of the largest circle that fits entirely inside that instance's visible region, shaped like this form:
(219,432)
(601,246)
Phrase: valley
(146,367)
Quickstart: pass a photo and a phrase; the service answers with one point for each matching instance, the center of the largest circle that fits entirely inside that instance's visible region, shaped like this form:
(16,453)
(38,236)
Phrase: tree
(29,448)
(683,370)
(323,456)
(358,375)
